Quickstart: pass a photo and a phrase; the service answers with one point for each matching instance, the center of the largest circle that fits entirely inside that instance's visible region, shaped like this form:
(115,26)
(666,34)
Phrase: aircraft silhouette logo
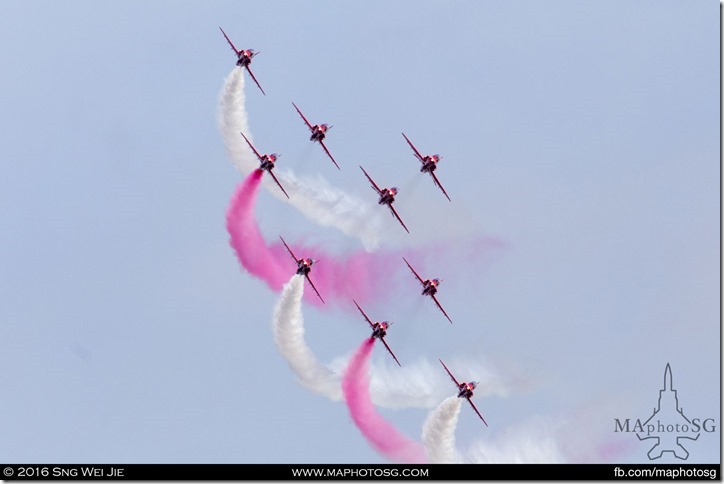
(668,426)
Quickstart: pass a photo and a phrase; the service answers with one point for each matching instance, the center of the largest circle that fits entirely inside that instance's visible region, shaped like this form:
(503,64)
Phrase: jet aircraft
(244,59)
(319,132)
(387,197)
(266,163)
(304,267)
(379,330)
(429,288)
(429,164)
(465,390)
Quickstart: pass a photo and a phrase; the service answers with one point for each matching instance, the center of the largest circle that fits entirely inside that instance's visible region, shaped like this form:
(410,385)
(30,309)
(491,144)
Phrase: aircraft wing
(451,375)
(437,182)
(236,51)
(277,182)
(374,185)
(251,146)
(417,153)
(363,314)
(290,250)
(315,289)
(321,142)
(390,350)
(441,309)
(397,216)
(414,272)
(305,119)
(254,78)
(476,411)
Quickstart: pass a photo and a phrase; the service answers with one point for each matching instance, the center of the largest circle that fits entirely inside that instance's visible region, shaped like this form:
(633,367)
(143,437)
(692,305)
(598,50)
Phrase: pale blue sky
(583,135)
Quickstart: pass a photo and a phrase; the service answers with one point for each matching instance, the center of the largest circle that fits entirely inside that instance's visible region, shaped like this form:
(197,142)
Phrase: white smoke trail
(288,330)
(420,385)
(528,443)
(314,197)
(232,120)
(532,442)
(538,439)
(438,432)
(424,383)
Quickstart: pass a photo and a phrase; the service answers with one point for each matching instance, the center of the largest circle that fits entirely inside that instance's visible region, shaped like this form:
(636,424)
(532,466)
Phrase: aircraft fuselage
(318,133)
(428,167)
(466,390)
(386,198)
(379,330)
(304,267)
(465,393)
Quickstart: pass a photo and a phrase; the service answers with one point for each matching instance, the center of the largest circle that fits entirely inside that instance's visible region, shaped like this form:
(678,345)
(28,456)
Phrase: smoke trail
(288,331)
(246,239)
(423,382)
(315,198)
(383,436)
(537,440)
(232,120)
(438,432)
(533,442)
(338,279)
(528,443)
(543,439)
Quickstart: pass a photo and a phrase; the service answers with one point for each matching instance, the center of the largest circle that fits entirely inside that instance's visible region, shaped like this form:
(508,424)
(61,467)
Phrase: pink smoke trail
(338,279)
(383,436)
(246,239)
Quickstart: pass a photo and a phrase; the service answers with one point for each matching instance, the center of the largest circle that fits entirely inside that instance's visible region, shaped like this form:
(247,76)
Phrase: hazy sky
(580,140)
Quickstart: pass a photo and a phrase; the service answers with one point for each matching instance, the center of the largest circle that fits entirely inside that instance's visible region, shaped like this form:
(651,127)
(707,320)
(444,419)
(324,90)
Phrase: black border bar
(359,472)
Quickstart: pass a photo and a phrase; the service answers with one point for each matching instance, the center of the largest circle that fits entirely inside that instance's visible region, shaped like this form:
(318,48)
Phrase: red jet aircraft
(429,163)
(243,58)
(319,132)
(266,163)
(387,196)
(465,390)
(304,267)
(379,330)
(429,288)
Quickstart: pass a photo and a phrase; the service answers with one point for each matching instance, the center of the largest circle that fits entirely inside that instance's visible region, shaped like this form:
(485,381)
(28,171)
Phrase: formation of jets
(319,134)
(386,196)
